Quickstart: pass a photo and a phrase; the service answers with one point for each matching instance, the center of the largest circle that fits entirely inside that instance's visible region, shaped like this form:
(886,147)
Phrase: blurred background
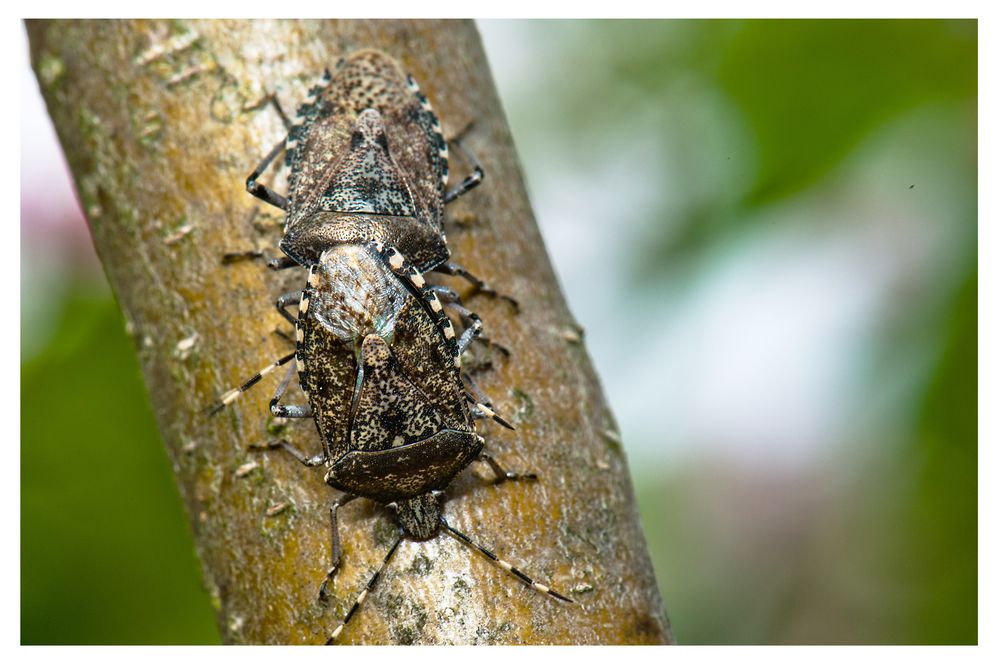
(784,218)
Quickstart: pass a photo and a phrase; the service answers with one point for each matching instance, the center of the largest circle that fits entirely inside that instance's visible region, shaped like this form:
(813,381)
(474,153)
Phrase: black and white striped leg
(451,268)
(315,460)
(334,544)
(477,392)
(259,190)
(279,410)
(473,329)
(364,594)
(472,180)
(284,301)
(502,474)
(230,395)
(470,320)
(458,535)
(480,411)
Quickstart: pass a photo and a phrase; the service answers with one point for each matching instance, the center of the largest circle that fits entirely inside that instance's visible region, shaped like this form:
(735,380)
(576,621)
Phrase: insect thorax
(354,294)
(308,235)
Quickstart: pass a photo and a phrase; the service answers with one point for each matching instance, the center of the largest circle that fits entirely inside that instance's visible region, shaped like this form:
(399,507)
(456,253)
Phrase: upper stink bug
(367,161)
(380,364)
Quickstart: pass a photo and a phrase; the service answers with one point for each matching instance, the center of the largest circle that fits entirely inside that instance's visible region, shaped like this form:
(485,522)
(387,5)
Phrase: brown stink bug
(380,365)
(367,161)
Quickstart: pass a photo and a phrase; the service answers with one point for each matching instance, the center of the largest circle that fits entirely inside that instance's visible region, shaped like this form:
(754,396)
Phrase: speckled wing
(328,381)
(421,349)
(390,411)
(337,160)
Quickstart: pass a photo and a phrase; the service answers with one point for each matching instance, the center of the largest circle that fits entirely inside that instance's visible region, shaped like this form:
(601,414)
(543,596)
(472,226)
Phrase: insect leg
(315,460)
(364,594)
(334,543)
(259,190)
(482,405)
(288,410)
(451,268)
(472,180)
(450,299)
(286,299)
(281,112)
(477,391)
(481,411)
(458,535)
(503,475)
(279,263)
(230,395)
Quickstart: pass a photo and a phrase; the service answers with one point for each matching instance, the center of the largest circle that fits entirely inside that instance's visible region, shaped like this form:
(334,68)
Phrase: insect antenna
(458,535)
(364,594)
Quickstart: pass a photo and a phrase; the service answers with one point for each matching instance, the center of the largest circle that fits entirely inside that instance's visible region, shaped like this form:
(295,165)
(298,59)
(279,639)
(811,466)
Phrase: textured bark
(161,122)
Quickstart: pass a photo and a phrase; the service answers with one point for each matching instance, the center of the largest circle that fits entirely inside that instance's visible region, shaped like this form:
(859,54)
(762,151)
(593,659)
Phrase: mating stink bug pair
(377,357)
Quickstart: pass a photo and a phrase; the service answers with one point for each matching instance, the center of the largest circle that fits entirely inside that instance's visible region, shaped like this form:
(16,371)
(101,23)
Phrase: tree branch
(161,122)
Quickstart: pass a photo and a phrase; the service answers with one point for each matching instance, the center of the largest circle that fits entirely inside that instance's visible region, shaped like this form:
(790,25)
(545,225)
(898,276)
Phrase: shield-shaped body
(378,362)
(367,162)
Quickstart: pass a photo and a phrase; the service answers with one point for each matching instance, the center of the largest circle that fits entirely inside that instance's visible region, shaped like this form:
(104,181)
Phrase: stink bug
(367,161)
(380,364)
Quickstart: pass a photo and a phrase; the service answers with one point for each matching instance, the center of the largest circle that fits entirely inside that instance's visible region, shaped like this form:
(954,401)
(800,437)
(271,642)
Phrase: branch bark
(161,121)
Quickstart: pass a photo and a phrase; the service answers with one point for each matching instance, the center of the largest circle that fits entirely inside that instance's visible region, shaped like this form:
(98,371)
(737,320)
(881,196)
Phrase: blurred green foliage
(106,554)
(748,120)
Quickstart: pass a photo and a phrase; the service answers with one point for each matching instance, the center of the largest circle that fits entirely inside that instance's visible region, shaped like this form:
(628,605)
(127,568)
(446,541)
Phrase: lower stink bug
(380,364)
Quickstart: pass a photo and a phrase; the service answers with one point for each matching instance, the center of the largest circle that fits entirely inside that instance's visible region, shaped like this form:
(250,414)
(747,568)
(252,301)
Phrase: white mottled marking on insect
(458,361)
(541,587)
(396,260)
(230,396)
(313,277)
(504,564)
(449,331)
(487,410)
(417,278)
(435,303)
(304,304)
(412,84)
(298,335)
(299,365)
(379,247)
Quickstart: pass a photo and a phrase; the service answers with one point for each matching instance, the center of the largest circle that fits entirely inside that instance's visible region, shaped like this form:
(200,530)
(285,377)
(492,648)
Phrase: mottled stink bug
(377,357)
(367,161)
(380,364)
